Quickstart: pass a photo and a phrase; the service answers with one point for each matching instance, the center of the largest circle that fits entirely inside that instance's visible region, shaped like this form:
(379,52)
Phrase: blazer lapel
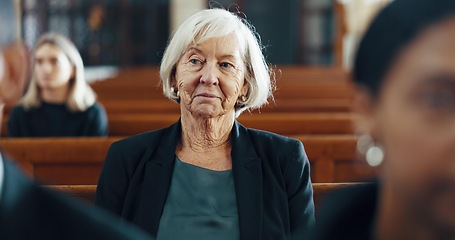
(159,166)
(247,171)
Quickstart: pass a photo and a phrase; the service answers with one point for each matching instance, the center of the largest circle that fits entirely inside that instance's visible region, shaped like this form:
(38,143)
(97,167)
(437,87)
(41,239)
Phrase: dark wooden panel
(68,173)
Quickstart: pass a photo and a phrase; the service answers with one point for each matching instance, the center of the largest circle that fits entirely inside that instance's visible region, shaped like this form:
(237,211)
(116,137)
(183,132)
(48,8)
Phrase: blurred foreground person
(405,73)
(28,211)
(59,102)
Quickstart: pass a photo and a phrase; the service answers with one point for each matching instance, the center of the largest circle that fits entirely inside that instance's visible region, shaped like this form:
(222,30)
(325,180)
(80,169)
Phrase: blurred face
(210,77)
(414,120)
(52,67)
(14,71)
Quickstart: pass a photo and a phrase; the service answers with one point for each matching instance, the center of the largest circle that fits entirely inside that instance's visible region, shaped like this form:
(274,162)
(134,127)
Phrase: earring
(242,102)
(374,154)
(176,92)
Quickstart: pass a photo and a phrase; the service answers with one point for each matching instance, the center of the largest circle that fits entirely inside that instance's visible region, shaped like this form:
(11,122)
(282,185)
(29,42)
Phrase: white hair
(214,23)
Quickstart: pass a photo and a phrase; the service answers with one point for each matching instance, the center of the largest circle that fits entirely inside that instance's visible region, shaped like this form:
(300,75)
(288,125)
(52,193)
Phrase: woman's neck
(55,95)
(202,134)
(396,220)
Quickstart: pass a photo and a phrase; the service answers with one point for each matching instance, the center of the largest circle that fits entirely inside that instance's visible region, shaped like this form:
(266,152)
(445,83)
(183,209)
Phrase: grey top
(201,204)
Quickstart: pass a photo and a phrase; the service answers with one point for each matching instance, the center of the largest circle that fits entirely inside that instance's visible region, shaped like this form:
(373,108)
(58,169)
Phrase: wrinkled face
(414,120)
(210,77)
(52,67)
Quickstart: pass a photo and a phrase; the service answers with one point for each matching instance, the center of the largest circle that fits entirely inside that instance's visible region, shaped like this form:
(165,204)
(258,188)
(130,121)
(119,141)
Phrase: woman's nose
(209,75)
(46,67)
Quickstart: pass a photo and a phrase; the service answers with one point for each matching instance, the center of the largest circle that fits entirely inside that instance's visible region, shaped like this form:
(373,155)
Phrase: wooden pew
(59,160)
(280,105)
(78,160)
(87,192)
(281,123)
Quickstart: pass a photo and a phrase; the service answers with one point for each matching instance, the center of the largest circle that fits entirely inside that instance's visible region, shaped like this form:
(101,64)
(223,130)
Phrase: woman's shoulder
(266,137)
(96,107)
(18,110)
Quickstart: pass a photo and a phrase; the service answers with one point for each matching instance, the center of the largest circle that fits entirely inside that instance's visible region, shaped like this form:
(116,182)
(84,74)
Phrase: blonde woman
(58,102)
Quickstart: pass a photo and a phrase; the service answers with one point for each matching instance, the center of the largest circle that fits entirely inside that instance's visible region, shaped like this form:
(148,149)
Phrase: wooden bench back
(79,160)
(87,192)
(281,123)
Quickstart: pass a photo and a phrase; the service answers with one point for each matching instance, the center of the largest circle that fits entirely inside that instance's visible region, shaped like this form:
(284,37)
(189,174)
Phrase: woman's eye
(442,100)
(195,61)
(226,65)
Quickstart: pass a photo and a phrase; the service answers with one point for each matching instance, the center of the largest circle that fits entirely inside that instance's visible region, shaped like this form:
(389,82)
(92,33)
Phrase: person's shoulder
(270,138)
(87,221)
(35,212)
(96,107)
(18,109)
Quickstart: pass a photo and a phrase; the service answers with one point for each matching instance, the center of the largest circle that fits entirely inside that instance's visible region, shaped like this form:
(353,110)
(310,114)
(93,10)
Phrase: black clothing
(55,120)
(347,214)
(28,211)
(271,181)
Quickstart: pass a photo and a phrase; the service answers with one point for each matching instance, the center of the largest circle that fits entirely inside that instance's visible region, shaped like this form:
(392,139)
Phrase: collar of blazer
(247,171)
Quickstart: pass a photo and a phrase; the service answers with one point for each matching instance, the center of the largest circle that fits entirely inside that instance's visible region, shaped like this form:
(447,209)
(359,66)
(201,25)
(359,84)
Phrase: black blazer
(271,178)
(28,211)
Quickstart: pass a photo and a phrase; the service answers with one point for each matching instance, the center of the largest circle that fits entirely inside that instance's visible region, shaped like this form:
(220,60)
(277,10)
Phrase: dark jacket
(271,178)
(28,211)
(347,214)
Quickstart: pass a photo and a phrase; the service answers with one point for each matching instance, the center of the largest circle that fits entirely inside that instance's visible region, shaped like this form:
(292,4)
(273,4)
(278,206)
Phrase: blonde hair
(81,96)
(212,23)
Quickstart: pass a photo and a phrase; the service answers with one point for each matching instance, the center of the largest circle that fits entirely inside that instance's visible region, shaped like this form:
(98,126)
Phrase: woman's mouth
(206,95)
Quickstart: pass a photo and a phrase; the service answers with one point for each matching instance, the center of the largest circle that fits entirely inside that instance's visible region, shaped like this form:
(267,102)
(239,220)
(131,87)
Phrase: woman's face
(52,67)
(414,120)
(210,77)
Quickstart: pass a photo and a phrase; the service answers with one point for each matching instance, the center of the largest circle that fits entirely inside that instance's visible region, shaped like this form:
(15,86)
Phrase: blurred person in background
(28,211)
(59,102)
(405,74)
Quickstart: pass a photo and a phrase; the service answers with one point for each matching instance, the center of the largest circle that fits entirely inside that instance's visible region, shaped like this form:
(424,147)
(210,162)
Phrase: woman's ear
(245,88)
(174,83)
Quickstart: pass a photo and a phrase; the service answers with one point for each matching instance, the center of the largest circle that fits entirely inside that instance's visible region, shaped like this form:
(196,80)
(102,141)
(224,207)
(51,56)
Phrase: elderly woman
(58,102)
(207,176)
(405,71)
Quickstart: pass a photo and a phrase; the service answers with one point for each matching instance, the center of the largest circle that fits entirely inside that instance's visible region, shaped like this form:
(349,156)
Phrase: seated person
(58,102)
(28,211)
(207,176)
